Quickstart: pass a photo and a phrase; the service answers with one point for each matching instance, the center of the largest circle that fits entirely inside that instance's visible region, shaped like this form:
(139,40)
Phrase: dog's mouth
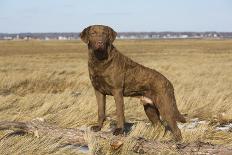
(99,49)
(100,54)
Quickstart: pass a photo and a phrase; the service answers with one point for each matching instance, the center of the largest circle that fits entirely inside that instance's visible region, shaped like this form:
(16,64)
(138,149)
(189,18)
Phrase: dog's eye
(92,33)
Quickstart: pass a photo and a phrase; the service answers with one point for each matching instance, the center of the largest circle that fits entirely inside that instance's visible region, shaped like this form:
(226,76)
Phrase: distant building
(46,38)
(7,38)
(27,38)
(62,38)
(184,36)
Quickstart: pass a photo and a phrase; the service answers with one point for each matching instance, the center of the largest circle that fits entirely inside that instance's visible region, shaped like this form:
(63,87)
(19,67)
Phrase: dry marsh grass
(42,78)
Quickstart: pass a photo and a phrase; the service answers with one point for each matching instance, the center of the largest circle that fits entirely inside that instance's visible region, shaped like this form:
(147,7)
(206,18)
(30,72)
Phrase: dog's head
(98,37)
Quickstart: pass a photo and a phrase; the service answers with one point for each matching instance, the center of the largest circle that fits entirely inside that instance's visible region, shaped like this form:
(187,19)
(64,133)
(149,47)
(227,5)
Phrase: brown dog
(112,73)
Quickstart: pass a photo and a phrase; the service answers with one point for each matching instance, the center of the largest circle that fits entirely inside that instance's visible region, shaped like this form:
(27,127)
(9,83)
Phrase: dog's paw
(118,131)
(95,128)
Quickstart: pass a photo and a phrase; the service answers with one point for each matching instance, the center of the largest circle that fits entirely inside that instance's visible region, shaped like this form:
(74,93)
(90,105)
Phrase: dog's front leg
(118,97)
(101,101)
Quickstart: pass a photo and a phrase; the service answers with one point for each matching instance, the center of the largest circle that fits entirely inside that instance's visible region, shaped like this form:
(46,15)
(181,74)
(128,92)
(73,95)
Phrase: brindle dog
(112,73)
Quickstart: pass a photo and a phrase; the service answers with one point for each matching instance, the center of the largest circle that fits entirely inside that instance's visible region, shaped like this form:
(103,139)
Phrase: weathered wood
(38,127)
(77,137)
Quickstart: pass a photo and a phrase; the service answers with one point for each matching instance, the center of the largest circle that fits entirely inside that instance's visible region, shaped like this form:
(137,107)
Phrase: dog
(112,73)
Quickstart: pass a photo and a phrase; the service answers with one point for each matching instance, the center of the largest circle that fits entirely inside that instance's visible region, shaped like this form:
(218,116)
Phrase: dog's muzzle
(99,45)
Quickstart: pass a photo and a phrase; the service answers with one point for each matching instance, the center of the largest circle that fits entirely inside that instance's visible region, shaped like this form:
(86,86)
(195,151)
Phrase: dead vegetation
(79,137)
(43,79)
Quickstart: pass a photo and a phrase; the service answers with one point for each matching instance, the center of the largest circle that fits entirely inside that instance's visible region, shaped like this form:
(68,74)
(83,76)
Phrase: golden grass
(40,79)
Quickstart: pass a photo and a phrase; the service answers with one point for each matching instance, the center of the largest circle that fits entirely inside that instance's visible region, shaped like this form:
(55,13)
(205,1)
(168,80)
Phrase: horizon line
(123,32)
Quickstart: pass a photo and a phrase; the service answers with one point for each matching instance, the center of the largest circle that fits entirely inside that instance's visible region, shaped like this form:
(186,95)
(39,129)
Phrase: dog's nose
(100,43)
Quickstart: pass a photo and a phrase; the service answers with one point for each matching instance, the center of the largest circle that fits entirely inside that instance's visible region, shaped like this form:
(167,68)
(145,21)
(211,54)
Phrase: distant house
(155,36)
(62,38)
(46,38)
(27,38)
(7,38)
(184,36)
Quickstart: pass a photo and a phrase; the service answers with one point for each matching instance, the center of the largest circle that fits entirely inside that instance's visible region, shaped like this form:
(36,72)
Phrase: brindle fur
(112,73)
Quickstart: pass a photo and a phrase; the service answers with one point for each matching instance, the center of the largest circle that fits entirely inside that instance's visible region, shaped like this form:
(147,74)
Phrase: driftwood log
(72,136)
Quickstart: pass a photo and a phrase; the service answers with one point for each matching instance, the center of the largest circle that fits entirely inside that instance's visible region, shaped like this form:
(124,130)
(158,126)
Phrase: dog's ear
(112,34)
(84,35)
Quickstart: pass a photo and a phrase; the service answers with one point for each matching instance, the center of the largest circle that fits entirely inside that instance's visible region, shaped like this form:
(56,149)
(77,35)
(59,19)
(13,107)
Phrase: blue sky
(122,15)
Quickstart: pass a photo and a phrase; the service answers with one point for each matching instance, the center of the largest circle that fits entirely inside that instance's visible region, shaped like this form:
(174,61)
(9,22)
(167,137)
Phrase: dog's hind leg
(172,124)
(169,115)
(150,108)
(152,113)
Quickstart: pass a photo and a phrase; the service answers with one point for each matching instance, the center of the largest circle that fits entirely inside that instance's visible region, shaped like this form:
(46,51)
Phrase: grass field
(41,78)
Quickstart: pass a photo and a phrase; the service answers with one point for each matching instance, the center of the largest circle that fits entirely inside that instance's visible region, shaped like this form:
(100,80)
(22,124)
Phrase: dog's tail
(179,116)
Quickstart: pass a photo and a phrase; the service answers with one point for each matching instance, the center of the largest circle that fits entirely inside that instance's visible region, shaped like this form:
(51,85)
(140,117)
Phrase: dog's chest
(101,82)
